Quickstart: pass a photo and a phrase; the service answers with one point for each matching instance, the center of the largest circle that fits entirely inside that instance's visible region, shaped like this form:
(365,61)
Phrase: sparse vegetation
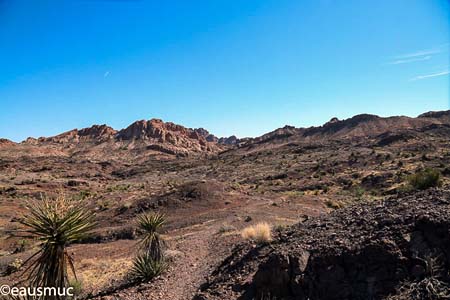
(77,286)
(14,266)
(22,244)
(82,195)
(279,228)
(333,204)
(425,179)
(103,205)
(359,192)
(226,228)
(118,188)
(259,233)
(294,193)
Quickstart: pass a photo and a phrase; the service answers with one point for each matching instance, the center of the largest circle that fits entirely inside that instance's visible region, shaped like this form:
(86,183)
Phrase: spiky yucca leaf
(151,242)
(56,223)
(146,268)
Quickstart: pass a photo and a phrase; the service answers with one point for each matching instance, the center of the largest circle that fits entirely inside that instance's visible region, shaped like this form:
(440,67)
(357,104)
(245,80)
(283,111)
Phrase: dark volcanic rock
(387,250)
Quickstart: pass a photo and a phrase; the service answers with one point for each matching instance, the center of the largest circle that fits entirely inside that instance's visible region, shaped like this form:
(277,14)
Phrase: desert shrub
(279,228)
(425,179)
(77,286)
(294,193)
(21,246)
(118,188)
(124,207)
(358,192)
(84,194)
(333,204)
(56,223)
(125,233)
(226,228)
(259,233)
(14,266)
(103,205)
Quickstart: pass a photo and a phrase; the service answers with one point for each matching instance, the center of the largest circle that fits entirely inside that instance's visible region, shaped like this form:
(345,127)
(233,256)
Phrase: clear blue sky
(230,66)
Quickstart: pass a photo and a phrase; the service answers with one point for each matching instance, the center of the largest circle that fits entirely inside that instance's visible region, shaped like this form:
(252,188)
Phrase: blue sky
(232,67)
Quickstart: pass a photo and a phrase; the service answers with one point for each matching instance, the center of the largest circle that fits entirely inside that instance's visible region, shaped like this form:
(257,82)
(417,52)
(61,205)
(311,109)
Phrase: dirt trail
(194,250)
(197,249)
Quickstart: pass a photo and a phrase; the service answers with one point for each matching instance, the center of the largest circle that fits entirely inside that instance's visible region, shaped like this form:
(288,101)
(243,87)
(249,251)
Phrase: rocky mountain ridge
(173,139)
(359,126)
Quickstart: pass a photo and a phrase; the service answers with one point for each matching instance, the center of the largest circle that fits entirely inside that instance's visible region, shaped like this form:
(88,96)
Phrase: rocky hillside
(138,139)
(359,126)
(143,138)
(395,249)
(167,137)
(94,134)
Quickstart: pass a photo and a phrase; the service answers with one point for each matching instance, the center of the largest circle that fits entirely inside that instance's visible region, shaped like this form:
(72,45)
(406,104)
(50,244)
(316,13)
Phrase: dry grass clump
(259,233)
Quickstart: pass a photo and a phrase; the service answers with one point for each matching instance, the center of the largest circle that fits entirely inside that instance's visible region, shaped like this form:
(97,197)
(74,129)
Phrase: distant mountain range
(155,136)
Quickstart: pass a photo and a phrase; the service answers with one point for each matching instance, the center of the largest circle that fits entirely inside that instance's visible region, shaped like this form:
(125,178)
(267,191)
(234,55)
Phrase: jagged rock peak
(157,129)
(97,131)
(208,136)
(172,137)
(333,120)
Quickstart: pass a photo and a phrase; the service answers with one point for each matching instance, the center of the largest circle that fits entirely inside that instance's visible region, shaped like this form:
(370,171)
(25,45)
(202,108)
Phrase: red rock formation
(6,143)
(170,137)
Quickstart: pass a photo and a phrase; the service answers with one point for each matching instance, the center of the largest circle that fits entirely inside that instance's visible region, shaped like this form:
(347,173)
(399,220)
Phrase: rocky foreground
(395,249)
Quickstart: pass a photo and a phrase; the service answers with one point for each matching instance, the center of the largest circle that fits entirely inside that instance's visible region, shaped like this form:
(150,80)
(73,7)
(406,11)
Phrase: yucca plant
(150,261)
(146,268)
(56,223)
(151,242)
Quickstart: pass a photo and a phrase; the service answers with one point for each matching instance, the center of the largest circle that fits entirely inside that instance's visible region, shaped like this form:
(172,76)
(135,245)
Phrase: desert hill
(359,126)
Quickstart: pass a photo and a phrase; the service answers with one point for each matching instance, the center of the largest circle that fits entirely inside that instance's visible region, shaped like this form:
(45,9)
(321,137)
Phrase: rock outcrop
(396,249)
(359,126)
(168,136)
(6,143)
(93,134)
(142,136)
